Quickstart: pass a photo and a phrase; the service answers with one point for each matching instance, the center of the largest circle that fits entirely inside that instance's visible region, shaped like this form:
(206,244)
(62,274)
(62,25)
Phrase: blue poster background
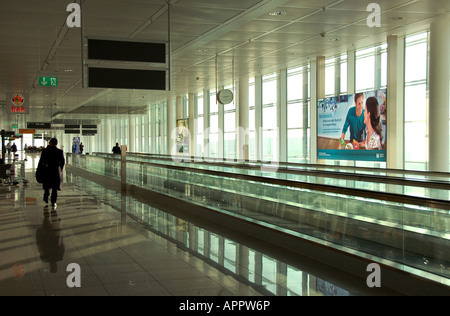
(331,116)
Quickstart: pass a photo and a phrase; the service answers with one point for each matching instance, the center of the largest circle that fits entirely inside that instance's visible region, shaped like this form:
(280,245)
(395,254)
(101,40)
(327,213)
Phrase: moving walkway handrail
(364,193)
(291,169)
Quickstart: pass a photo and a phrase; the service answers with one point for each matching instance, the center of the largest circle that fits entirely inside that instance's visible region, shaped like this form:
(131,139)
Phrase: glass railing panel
(406,234)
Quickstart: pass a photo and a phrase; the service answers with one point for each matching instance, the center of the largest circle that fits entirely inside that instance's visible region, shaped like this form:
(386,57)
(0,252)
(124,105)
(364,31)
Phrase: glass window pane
(213,105)
(200,106)
(365,73)
(270,92)
(416,62)
(295,115)
(251,120)
(214,123)
(295,87)
(230,122)
(415,142)
(344,77)
(330,80)
(415,103)
(270,117)
(295,144)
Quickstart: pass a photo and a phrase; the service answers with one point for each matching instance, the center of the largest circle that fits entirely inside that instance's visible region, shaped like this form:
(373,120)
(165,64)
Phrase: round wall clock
(225,96)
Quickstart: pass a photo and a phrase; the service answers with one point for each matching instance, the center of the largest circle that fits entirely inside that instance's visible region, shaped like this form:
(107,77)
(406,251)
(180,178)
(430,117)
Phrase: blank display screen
(126,51)
(127,79)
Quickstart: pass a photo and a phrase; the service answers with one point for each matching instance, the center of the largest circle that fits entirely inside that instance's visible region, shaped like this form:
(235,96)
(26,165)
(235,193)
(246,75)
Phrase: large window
(270,118)
(230,128)
(298,114)
(416,68)
(199,125)
(214,135)
(251,121)
(371,68)
(371,74)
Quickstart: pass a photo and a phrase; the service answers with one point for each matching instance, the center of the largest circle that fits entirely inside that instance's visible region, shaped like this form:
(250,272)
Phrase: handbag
(41,172)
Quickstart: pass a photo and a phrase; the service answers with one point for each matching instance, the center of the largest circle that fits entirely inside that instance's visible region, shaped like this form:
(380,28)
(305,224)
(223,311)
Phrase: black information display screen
(126,51)
(127,79)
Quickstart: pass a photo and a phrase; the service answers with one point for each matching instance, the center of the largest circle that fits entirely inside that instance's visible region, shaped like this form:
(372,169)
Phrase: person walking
(116,149)
(53,158)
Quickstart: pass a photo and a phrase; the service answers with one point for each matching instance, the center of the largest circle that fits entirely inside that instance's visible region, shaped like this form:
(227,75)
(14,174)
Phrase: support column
(171,125)
(351,87)
(243,119)
(206,123)
(146,132)
(317,92)
(395,100)
(439,95)
(191,124)
(132,134)
(179,108)
(108,147)
(282,114)
(258,117)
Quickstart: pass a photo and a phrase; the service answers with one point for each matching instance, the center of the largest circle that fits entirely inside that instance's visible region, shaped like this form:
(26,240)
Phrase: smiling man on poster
(355,120)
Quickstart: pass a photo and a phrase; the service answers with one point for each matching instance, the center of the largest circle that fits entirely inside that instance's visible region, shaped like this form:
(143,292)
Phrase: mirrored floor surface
(99,242)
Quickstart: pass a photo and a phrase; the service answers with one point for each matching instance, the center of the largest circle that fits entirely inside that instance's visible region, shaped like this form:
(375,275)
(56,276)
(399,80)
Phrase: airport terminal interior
(226,148)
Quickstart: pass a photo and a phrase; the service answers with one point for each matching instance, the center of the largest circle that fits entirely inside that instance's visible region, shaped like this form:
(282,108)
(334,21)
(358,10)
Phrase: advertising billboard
(352,127)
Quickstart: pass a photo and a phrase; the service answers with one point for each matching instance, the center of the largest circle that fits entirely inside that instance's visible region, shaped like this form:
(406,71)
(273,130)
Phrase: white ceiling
(35,40)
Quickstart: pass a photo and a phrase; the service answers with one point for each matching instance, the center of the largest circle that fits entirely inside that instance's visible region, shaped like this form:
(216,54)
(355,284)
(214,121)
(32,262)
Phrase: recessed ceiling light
(277,13)
(334,39)
(201,50)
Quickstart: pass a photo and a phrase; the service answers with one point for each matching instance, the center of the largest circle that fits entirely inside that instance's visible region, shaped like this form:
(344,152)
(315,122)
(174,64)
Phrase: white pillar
(132,134)
(282,117)
(258,117)
(395,115)
(179,108)
(243,119)
(317,93)
(171,124)
(191,124)
(439,95)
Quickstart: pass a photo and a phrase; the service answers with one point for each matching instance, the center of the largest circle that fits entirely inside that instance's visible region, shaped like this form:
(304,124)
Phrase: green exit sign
(48,81)
(15,126)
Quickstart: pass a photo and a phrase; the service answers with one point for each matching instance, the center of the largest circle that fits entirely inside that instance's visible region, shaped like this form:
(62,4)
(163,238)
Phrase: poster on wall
(76,145)
(183,137)
(352,127)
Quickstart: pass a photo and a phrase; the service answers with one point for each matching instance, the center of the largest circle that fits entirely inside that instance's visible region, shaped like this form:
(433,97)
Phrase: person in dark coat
(53,157)
(116,149)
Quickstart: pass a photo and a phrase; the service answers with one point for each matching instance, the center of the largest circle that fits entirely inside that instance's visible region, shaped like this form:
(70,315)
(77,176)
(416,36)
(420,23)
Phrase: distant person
(355,120)
(116,149)
(14,148)
(8,148)
(53,158)
(372,118)
(81,148)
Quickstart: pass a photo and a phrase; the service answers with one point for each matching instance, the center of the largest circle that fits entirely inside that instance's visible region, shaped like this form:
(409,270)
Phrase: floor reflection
(49,239)
(267,275)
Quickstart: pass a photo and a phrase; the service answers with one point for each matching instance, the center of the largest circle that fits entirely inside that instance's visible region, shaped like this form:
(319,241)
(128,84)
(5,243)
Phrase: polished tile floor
(143,252)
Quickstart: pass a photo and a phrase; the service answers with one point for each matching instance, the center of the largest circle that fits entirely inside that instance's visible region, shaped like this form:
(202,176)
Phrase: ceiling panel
(34,40)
